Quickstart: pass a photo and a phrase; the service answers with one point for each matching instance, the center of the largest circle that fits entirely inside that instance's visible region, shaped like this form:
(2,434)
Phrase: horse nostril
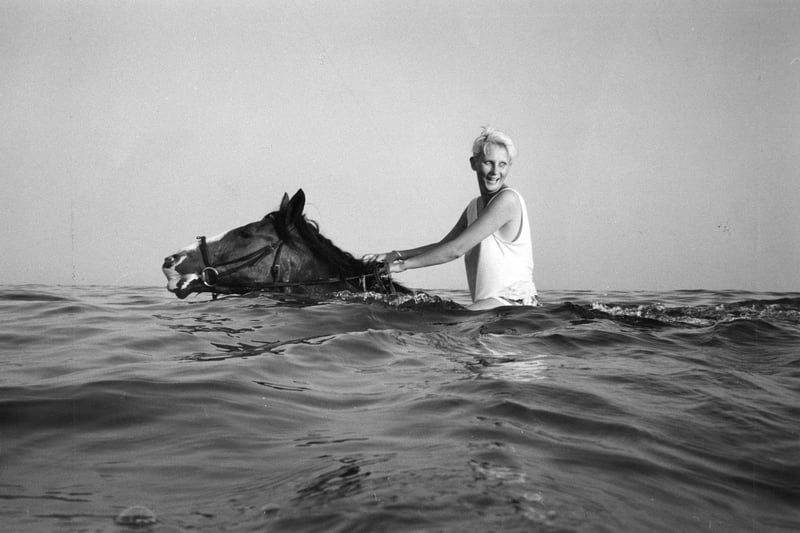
(169,261)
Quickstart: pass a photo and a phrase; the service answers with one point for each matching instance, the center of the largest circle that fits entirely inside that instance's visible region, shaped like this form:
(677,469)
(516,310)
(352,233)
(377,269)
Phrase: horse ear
(284,202)
(295,206)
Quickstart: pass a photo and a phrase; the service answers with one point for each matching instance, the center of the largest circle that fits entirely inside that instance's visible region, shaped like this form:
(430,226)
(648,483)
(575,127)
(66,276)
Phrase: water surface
(594,412)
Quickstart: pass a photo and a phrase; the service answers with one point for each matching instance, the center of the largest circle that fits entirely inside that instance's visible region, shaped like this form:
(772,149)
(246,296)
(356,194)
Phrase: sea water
(594,412)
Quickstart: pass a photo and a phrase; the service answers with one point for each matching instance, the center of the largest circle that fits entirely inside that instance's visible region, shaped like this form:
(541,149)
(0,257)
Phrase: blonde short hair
(490,135)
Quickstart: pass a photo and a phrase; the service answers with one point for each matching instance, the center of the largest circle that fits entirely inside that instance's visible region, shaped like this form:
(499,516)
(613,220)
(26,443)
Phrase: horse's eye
(246,234)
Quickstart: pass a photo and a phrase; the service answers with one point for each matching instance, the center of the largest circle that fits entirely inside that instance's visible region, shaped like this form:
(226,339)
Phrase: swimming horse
(283,252)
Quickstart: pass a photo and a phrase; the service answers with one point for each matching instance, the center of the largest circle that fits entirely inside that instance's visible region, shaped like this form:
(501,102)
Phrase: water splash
(786,309)
(415,299)
(137,516)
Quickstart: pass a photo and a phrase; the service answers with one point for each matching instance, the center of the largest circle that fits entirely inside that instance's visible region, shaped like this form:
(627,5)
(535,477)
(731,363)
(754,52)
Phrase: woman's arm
(394,255)
(502,210)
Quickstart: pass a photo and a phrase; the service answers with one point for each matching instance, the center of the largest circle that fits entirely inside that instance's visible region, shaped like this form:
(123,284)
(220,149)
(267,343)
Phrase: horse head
(282,251)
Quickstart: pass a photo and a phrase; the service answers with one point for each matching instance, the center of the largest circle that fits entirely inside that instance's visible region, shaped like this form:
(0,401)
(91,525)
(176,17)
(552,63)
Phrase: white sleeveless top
(497,268)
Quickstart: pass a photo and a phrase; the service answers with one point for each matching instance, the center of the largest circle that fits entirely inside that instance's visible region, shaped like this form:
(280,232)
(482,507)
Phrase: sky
(659,141)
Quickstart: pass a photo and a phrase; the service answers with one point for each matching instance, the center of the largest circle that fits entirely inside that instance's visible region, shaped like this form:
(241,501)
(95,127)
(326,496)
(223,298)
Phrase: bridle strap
(275,269)
(203,249)
(251,258)
(210,274)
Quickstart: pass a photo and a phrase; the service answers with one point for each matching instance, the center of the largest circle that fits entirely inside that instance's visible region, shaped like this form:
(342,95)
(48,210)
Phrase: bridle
(210,274)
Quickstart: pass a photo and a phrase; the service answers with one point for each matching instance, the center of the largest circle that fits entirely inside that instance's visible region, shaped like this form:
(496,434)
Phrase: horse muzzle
(182,284)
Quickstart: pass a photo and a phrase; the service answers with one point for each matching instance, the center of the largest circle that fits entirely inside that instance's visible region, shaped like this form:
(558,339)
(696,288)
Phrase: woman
(492,234)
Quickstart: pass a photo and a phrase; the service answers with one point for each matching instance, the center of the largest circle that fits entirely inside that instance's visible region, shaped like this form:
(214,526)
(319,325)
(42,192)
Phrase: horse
(282,252)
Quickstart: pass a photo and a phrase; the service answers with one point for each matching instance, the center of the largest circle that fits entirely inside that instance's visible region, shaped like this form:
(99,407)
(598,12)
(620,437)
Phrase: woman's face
(491,167)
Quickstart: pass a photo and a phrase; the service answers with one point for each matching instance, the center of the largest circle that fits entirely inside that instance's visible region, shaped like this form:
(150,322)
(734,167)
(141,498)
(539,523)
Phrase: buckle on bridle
(209,276)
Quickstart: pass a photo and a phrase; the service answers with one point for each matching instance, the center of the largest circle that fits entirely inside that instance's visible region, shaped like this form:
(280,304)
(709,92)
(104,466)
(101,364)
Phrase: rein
(210,274)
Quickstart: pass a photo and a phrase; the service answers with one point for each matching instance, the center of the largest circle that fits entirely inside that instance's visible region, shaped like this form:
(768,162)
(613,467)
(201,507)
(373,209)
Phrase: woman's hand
(388,257)
(395,267)
(391,262)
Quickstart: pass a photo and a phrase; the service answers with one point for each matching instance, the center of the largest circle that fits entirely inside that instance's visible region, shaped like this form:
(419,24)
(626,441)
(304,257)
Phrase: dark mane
(343,263)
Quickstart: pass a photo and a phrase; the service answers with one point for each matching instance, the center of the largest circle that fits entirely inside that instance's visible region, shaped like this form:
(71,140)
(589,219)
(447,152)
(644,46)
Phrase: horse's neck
(315,269)
(308,267)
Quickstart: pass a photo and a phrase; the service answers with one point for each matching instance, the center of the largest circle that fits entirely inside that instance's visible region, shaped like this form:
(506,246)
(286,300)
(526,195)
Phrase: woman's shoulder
(507,197)
(508,191)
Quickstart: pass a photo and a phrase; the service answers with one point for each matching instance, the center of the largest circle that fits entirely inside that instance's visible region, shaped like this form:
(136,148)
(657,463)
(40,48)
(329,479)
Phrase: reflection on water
(510,369)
